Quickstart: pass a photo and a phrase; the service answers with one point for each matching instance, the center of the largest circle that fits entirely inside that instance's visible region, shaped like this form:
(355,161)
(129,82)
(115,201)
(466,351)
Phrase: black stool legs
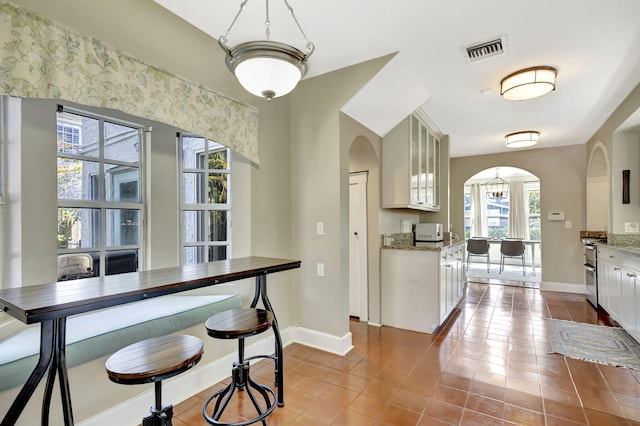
(240,380)
(160,416)
(239,324)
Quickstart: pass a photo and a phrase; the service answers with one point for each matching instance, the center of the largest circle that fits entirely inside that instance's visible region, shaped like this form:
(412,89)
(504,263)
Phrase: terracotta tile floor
(489,365)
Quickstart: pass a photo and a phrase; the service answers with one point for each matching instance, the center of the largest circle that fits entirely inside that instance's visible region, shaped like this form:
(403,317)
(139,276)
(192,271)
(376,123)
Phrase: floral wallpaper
(40,58)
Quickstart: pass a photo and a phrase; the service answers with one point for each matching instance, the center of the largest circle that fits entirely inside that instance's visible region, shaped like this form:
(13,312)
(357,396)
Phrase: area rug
(594,343)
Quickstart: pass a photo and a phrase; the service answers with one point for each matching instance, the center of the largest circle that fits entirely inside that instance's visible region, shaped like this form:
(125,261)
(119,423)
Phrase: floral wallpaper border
(41,58)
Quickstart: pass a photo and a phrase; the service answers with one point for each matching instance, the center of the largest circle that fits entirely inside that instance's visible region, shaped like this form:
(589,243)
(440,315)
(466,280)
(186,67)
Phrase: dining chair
(512,247)
(478,247)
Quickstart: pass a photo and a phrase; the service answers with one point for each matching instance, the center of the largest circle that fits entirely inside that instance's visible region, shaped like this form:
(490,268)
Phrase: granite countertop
(633,250)
(405,242)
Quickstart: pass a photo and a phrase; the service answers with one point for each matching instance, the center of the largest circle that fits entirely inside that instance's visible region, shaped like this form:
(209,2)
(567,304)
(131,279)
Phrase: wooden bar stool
(239,324)
(154,360)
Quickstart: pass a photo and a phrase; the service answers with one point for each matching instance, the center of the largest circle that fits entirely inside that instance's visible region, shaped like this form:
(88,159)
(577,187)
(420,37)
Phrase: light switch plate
(320,269)
(631,227)
(320,228)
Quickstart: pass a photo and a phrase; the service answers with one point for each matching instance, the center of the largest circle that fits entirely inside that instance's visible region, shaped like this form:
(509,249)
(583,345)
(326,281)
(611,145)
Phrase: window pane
(121,261)
(192,150)
(78,265)
(217,253)
(217,159)
(121,143)
(122,227)
(194,255)
(78,228)
(193,226)
(122,183)
(78,134)
(534,202)
(218,188)
(77,180)
(534,227)
(218,221)
(193,185)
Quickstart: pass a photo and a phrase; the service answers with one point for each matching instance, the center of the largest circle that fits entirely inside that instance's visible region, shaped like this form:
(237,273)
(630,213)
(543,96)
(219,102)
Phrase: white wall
(626,156)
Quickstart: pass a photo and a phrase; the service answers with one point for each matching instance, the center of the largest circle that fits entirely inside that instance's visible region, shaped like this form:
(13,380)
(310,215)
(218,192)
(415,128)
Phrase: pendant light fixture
(497,188)
(528,83)
(267,68)
(522,139)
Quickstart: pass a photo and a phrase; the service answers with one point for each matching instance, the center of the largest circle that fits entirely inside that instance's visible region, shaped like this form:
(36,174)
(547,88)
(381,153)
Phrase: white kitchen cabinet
(628,281)
(619,287)
(420,288)
(451,280)
(411,166)
(609,282)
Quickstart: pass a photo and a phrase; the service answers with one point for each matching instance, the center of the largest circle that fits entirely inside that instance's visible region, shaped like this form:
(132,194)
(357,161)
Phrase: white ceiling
(594,45)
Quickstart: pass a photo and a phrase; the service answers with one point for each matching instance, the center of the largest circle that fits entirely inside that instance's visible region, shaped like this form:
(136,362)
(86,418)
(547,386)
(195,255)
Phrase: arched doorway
(504,203)
(364,234)
(598,189)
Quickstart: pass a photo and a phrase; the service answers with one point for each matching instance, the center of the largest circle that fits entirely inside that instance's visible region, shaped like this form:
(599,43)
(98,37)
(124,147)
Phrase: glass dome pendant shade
(267,68)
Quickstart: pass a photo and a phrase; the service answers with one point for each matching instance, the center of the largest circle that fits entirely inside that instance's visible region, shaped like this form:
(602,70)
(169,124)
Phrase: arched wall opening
(504,203)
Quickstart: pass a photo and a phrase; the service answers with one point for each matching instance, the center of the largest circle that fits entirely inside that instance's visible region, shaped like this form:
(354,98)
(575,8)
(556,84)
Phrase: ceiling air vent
(485,50)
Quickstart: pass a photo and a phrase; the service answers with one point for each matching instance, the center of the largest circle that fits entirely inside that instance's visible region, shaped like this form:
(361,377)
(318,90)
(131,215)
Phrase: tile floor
(489,365)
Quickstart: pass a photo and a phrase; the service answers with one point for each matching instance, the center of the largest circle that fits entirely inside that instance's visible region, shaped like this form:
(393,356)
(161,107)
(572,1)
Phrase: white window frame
(204,207)
(102,204)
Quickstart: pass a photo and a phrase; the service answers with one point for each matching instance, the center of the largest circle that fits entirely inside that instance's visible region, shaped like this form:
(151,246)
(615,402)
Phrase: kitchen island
(422,283)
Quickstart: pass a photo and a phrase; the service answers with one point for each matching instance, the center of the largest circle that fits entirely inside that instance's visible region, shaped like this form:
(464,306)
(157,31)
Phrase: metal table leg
(47,348)
(53,359)
(261,292)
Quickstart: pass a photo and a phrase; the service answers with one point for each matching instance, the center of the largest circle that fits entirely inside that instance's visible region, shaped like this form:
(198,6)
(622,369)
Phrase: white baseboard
(563,287)
(189,383)
(323,341)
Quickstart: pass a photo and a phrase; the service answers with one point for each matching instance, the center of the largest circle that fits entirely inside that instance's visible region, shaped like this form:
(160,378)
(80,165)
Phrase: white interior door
(358,277)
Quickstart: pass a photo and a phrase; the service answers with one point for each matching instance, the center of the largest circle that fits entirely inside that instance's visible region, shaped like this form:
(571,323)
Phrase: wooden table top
(37,303)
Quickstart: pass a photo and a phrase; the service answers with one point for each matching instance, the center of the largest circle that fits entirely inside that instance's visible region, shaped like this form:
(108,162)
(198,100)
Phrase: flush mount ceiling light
(267,68)
(522,139)
(528,83)
(497,188)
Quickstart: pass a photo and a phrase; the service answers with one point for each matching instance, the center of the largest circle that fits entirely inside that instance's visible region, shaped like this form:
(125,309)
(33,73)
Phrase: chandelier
(528,83)
(497,188)
(267,68)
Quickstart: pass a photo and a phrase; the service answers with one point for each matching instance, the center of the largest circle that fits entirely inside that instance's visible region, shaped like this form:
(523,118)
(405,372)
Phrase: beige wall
(619,213)
(320,193)
(562,174)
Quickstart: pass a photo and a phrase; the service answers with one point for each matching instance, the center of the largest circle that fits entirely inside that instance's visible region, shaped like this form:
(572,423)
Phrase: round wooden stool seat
(154,359)
(239,323)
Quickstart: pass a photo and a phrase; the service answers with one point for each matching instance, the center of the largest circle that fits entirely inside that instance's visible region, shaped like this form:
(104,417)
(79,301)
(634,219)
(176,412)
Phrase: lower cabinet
(619,287)
(420,288)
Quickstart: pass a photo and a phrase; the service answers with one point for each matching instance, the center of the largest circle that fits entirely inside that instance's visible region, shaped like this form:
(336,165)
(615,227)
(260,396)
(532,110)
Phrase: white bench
(103,332)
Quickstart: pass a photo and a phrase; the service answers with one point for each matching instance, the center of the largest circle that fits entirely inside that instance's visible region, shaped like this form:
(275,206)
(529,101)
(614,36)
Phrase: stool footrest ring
(240,381)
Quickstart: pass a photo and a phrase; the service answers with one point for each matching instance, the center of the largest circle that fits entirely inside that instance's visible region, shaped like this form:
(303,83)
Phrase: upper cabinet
(411,166)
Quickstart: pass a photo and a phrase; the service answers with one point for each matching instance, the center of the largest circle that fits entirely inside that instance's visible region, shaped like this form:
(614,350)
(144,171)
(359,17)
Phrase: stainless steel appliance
(590,269)
(429,232)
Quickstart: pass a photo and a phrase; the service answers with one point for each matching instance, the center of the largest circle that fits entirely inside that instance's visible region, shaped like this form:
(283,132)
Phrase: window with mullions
(100,205)
(532,201)
(206,172)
